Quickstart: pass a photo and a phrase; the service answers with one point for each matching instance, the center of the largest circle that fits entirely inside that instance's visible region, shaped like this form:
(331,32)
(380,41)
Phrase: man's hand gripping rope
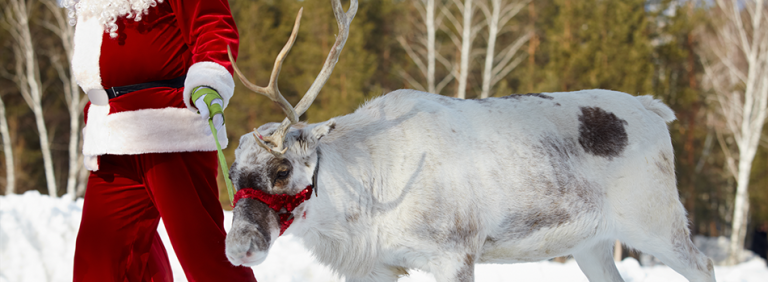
(209,103)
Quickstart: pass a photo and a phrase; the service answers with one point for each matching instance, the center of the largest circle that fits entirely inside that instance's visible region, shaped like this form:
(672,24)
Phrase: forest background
(668,49)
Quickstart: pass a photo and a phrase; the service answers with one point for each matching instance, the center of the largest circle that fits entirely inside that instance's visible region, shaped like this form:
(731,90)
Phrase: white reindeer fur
(413,180)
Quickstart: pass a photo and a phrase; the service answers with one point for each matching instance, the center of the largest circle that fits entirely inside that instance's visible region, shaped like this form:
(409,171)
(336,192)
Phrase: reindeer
(413,180)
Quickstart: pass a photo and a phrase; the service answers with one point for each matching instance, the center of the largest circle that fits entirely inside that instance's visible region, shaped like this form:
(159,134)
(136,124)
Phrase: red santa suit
(148,150)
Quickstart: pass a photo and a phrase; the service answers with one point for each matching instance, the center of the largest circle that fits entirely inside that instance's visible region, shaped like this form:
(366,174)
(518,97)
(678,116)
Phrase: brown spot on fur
(564,193)
(352,217)
(555,218)
(459,230)
(447,101)
(562,156)
(538,95)
(664,164)
(465,230)
(478,100)
(400,271)
(523,225)
(467,271)
(601,133)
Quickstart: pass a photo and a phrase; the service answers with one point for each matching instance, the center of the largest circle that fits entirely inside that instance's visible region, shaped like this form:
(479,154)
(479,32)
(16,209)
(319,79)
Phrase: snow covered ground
(37,243)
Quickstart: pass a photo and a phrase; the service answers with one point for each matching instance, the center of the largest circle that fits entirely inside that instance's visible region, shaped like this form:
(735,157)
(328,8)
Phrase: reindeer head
(278,160)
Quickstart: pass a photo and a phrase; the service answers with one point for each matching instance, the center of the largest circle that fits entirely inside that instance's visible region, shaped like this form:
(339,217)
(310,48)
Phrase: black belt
(118,91)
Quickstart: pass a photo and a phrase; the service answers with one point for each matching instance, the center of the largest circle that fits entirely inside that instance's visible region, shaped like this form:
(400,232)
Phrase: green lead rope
(223,164)
(213,110)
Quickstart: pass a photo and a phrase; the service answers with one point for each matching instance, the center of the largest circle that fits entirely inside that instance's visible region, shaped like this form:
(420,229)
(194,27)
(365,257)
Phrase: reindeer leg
(455,268)
(596,262)
(380,273)
(677,251)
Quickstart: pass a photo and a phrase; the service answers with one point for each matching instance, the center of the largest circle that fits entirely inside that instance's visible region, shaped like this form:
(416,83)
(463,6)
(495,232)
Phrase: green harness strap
(215,109)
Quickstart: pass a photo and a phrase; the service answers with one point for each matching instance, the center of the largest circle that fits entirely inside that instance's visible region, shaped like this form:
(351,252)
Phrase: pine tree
(597,44)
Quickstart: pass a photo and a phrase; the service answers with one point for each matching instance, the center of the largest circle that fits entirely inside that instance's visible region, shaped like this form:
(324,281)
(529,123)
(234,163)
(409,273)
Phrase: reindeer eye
(280,170)
(282,174)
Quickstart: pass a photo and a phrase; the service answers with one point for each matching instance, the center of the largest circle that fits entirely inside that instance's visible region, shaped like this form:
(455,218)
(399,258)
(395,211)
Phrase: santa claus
(154,72)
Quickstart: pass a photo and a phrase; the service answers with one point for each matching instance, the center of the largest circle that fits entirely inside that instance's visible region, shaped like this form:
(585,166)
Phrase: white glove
(203,108)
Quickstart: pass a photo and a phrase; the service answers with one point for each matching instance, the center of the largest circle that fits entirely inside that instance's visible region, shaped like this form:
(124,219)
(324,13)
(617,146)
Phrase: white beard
(108,11)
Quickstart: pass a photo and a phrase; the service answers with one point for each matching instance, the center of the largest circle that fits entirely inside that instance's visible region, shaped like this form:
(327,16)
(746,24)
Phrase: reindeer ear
(323,129)
(307,139)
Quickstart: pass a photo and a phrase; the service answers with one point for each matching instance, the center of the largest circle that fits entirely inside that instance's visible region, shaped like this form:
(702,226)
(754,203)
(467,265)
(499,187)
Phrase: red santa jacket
(174,38)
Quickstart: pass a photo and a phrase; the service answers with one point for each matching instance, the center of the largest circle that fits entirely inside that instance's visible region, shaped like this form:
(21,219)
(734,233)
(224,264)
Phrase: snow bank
(37,243)
(37,237)
(716,248)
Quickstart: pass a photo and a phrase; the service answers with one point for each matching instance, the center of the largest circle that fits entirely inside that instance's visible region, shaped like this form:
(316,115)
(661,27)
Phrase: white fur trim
(147,131)
(85,60)
(91,162)
(209,74)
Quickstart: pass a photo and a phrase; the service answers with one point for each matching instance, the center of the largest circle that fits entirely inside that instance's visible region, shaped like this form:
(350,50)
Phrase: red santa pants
(124,202)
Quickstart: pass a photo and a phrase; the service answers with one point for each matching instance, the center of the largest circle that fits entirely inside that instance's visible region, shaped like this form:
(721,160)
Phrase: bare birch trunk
(493,31)
(50,178)
(466,45)
(430,22)
(751,130)
(28,80)
(740,212)
(82,177)
(74,136)
(426,54)
(740,54)
(495,68)
(753,117)
(66,34)
(10,174)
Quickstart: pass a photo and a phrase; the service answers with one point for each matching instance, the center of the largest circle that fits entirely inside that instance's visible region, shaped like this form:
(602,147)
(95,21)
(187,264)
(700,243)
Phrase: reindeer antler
(277,137)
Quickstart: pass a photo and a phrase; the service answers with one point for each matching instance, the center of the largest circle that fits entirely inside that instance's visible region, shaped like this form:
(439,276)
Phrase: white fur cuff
(209,74)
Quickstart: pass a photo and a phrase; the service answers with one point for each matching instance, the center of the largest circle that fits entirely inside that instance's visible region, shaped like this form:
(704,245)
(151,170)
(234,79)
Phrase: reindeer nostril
(248,254)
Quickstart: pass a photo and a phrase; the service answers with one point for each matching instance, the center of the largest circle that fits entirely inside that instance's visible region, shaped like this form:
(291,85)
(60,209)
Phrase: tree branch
(415,57)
